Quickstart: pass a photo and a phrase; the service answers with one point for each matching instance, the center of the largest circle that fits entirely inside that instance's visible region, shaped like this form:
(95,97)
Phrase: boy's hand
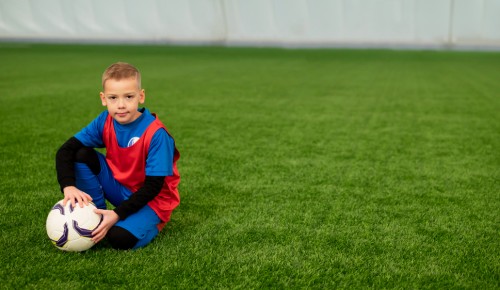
(75,195)
(109,219)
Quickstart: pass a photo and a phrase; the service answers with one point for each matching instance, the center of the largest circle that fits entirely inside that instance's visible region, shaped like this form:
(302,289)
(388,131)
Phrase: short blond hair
(121,70)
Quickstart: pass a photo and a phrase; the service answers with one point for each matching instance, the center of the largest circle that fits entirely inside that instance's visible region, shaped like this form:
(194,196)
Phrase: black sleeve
(151,188)
(65,159)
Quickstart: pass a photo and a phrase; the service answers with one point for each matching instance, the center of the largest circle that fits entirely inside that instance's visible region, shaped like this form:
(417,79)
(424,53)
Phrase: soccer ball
(70,228)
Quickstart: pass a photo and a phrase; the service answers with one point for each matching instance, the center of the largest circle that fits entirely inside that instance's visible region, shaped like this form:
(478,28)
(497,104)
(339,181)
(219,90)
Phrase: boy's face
(122,97)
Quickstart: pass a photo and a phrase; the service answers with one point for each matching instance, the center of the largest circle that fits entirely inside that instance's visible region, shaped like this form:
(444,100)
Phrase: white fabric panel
(49,16)
(175,20)
(432,19)
(113,16)
(491,21)
(148,20)
(208,20)
(249,20)
(325,20)
(190,20)
(476,22)
(290,19)
(375,21)
(272,22)
(17,19)
(467,20)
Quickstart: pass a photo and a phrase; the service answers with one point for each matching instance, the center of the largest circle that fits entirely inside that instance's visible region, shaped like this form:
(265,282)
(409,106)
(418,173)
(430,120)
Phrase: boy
(138,175)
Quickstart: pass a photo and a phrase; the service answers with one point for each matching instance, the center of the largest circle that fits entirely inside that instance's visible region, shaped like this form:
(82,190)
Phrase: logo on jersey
(132,141)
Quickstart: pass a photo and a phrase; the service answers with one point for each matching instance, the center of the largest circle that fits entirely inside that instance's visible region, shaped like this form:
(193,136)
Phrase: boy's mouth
(121,114)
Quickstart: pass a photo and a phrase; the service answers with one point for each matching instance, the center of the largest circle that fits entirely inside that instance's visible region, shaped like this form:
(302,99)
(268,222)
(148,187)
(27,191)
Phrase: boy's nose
(121,103)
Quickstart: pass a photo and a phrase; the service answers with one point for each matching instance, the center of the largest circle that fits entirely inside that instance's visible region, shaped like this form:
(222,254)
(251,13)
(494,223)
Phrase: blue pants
(102,187)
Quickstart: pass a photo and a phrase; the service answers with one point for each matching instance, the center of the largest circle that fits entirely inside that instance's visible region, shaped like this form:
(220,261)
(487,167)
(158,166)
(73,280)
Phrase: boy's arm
(65,158)
(91,135)
(151,188)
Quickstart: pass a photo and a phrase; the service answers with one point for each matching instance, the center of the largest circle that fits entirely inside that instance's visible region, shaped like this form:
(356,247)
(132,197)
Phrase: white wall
(261,22)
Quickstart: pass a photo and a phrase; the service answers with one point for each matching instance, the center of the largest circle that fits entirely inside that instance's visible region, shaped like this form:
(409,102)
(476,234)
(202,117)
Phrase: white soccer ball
(70,228)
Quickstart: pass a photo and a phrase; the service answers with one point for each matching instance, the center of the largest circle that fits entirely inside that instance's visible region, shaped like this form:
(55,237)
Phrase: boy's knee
(121,239)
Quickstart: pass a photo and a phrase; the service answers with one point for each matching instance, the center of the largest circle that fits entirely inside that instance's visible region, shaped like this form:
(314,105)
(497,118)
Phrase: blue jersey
(161,151)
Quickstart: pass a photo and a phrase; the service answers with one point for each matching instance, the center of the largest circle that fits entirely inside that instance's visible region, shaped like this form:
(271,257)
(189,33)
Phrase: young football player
(138,174)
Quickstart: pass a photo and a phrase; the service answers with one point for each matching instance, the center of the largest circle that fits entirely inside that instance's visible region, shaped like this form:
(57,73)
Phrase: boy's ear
(142,96)
(103,99)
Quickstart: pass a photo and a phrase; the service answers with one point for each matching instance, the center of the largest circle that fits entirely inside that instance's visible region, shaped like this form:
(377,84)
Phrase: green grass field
(300,169)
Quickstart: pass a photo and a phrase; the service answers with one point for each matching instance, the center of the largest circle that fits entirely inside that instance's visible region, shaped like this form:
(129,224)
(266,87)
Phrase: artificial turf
(316,168)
